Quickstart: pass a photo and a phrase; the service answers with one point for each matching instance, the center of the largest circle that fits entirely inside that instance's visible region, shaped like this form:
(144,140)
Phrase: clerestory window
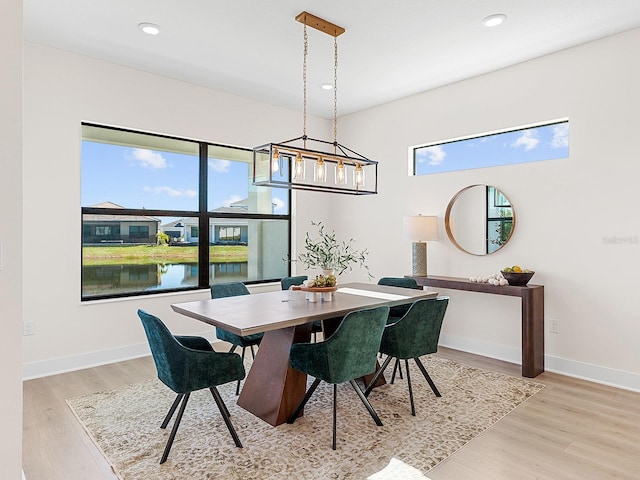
(545,141)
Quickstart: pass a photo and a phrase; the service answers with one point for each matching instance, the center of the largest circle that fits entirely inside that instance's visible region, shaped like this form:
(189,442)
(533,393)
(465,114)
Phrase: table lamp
(419,229)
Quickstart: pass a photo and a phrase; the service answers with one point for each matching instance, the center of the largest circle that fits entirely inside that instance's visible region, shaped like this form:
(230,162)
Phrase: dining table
(273,389)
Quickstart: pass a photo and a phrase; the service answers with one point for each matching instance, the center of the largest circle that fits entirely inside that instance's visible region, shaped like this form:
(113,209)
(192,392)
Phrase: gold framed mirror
(480,219)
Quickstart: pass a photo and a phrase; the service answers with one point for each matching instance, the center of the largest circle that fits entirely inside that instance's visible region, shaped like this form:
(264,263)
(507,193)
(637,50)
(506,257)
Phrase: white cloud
(149,158)
(278,204)
(529,140)
(172,192)
(220,166)
(560,136)
(230,200)
(435,155)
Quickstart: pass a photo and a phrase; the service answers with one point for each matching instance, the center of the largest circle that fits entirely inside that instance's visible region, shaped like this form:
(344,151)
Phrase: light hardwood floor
(572,429)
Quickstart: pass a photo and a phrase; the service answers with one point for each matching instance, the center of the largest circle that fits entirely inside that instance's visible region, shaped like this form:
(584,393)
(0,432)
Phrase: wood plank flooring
(573,429)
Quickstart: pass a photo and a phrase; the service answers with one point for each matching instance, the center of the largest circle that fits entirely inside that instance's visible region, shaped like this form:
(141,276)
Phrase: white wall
(62,90)
(11,238)
(566,209)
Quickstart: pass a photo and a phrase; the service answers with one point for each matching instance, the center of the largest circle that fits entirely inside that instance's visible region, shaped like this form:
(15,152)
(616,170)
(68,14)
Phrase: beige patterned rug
(124,423)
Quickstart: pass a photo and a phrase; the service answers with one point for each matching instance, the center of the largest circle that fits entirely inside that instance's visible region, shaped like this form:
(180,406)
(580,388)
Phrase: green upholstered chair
(288,282)
(398,311)
(186,364)
(414,335)
(234,289)
(348,354)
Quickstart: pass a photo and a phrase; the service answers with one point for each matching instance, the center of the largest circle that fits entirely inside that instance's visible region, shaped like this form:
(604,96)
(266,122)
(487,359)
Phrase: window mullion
(203,220)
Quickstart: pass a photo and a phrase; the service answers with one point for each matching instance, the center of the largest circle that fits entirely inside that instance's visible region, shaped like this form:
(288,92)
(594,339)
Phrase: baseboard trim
(72,363)
(571,368)
(594,373)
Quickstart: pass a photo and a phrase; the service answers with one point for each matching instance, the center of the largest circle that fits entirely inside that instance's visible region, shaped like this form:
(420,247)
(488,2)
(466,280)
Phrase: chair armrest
(194,343)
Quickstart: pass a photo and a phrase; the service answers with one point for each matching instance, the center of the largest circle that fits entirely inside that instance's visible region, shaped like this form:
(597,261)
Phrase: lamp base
(419,259)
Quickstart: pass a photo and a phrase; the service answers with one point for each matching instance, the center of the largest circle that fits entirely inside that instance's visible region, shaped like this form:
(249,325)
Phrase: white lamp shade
(420,228)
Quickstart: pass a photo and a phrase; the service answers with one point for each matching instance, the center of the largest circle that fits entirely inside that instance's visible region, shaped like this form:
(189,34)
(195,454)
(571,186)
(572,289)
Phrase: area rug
(124,423)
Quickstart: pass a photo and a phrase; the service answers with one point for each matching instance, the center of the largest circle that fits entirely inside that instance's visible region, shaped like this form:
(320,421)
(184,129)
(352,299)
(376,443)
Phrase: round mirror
(480,219)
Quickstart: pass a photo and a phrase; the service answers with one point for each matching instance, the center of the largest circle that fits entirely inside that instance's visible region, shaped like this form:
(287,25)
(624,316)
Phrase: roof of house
(93,217)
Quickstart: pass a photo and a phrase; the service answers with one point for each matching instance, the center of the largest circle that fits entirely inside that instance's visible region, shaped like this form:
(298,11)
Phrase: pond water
(101,280)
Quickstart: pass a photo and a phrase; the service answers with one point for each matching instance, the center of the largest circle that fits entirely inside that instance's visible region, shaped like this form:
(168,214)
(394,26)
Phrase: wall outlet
(554,326)
(29,328)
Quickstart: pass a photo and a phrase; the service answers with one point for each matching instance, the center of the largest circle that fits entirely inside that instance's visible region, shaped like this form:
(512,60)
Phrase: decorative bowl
(517,279)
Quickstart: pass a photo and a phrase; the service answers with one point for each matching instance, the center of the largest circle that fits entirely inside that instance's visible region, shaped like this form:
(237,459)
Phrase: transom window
(544,141)
(167,214)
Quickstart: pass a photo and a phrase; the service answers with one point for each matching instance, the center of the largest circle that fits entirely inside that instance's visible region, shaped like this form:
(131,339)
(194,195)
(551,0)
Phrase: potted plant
(324,251)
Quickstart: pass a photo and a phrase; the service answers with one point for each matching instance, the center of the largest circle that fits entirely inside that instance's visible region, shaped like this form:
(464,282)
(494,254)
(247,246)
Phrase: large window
(531,144)
(168,214)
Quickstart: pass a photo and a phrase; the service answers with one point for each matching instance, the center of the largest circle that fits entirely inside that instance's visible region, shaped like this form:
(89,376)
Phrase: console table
(532,297)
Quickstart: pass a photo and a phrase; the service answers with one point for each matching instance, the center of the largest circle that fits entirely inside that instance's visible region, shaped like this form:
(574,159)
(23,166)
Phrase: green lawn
(147,254)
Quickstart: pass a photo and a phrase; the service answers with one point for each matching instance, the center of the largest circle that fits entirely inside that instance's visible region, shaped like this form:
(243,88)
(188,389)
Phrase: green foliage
(326,252)
(162,238)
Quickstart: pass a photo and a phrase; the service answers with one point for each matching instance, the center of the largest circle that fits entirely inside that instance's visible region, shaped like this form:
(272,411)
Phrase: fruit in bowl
(516,275)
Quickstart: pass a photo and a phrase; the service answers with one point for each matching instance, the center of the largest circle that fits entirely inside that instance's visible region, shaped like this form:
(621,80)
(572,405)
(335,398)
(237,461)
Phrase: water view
(100,280)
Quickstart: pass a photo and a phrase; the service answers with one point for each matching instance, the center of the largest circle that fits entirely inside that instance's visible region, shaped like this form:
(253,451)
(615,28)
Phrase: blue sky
(143,178)
(528,145)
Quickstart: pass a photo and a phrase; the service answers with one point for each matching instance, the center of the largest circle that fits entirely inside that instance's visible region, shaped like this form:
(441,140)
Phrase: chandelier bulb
(298,170)
(320,171)
(341,174)
(275,160)
(358,176)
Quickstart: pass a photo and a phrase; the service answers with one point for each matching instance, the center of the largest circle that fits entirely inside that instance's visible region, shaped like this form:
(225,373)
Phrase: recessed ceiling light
(149,28)
(494,20)
(326,86)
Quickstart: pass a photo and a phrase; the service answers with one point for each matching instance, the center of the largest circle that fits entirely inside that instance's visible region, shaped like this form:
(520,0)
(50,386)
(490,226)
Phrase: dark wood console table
(532,314)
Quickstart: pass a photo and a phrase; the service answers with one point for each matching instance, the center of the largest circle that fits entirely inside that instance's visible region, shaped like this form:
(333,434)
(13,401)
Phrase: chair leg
(233,348)
(174,430)
(304,401)
(427,377)
(335,414)
(172,410)
(366,403)
(253,354)
(225,415)
(413,407)
(396,367)
(378,374)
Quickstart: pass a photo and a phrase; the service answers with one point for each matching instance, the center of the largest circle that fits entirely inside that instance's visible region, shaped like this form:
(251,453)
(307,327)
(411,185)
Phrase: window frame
(202,214)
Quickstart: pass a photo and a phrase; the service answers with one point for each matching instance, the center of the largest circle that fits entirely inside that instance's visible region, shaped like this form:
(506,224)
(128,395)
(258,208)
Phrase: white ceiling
(254,48)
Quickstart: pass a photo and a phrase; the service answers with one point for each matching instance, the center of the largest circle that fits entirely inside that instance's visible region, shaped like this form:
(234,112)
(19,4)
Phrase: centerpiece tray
(315,289)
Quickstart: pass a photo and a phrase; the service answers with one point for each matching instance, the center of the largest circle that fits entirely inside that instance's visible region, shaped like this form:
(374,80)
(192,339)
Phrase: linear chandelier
(305,163)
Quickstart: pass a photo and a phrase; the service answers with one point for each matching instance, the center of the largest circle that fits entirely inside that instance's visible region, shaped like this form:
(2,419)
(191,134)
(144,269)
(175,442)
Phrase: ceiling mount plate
(320,24)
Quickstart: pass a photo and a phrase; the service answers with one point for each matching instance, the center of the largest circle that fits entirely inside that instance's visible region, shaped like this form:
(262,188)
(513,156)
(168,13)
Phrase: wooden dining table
(272,389)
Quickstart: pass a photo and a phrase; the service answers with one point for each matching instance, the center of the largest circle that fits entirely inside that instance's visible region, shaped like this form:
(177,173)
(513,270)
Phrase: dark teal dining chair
(398,311)
(414,335)
(286,283)
(234,289)
(186,364)
(348,354)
